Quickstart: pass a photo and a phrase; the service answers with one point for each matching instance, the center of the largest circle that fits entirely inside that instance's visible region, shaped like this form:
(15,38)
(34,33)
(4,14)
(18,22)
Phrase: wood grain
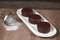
(23,33)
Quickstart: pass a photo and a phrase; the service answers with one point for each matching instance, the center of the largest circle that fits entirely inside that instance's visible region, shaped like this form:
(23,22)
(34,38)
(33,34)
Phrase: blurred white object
(11,23)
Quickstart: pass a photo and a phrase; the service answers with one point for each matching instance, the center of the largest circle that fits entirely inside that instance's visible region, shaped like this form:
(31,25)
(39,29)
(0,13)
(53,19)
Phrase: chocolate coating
(43,27)
(27,12)
(34,19)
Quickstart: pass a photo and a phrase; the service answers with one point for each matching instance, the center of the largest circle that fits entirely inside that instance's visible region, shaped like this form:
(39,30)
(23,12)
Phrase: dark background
(39,4)
(34,0)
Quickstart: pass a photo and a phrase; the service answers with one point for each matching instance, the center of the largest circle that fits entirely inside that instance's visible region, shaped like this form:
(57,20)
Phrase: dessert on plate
(43,27)
(27,12)
(34,19)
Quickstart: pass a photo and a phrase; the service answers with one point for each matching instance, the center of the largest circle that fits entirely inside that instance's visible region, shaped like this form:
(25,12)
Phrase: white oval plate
(33,27)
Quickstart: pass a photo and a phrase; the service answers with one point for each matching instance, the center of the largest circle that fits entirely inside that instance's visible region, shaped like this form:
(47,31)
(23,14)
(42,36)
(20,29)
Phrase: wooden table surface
(23,33)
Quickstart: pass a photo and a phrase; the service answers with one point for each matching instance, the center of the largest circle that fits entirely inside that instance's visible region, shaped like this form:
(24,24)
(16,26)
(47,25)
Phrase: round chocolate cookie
(34,19)
(27,12)
(43,27)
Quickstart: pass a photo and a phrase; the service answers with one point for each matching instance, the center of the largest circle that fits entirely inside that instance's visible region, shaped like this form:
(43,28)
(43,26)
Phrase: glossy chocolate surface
(34,19)
(43,27)
(27,12)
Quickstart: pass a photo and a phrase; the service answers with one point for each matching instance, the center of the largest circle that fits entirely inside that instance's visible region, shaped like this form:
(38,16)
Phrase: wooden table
(23,33)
